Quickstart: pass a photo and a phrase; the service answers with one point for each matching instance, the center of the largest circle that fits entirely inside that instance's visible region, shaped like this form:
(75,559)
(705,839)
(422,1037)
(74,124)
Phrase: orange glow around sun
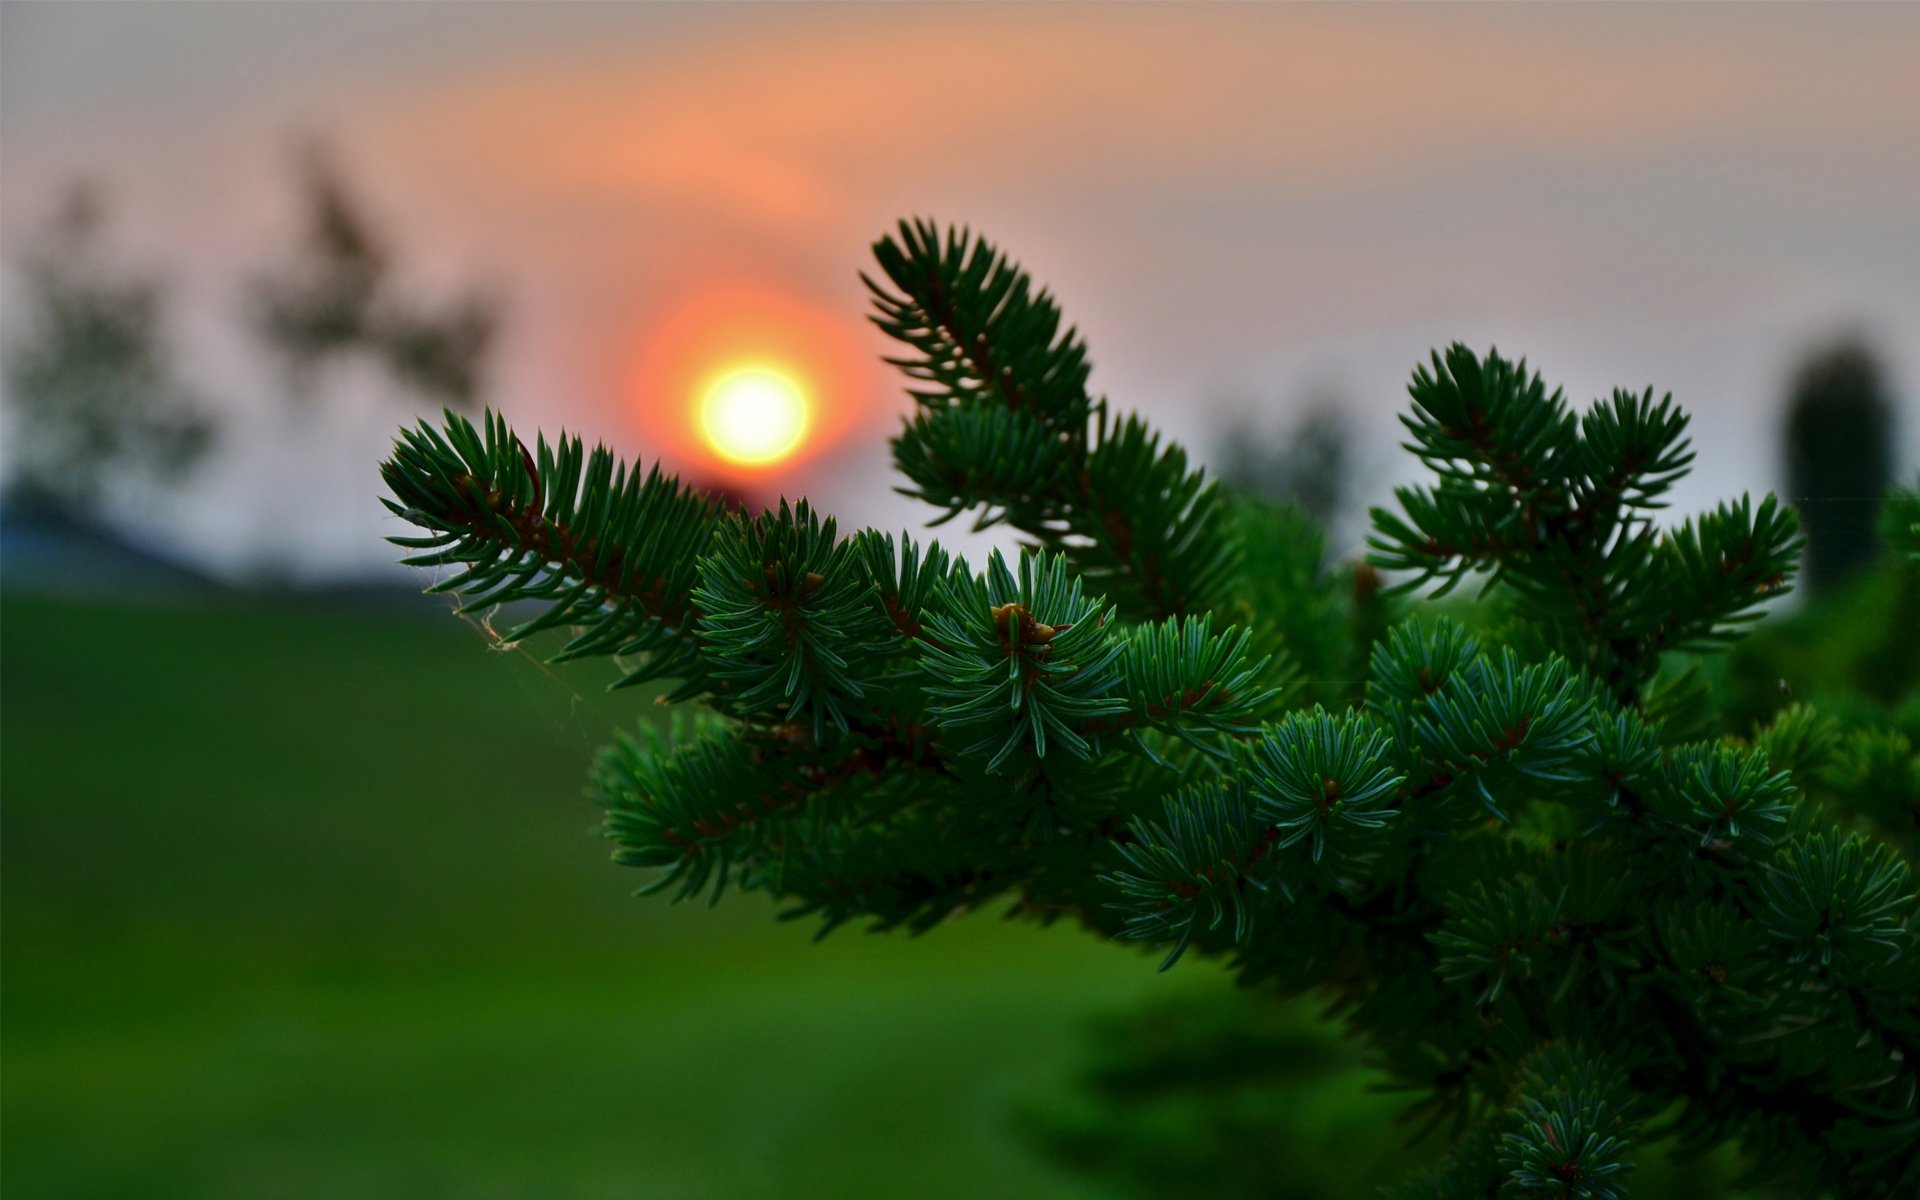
(741,383)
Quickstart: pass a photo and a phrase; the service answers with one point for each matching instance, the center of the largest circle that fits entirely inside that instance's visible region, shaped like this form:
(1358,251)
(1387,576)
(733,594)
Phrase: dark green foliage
(1321,779)
(692,814)
(1183,678)
(1852,650)
(1521,870)
(1719,790)
(1015,663)
(611,551)
(1560,510)
(1570,1132)
(1223,1093)
(1319,626)
(1843,901)
(1202,865)
(1007,426)
(1839,440)
(787,619)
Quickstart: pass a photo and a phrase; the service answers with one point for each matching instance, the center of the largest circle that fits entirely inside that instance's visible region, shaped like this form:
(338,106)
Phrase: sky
(1243,207)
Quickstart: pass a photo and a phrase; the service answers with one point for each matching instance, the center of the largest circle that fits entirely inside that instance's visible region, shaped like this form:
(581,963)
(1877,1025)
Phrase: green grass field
(301,904)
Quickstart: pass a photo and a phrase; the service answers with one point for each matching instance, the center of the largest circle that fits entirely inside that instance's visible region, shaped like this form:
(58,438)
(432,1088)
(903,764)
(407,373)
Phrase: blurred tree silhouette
(1853,649)
(1310,466)
(91,381)
(1839,450)
(1222,1093)
(338,299)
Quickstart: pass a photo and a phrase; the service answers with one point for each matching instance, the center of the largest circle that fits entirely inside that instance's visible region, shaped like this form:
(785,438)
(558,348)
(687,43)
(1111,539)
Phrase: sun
(742,383)
(754,415)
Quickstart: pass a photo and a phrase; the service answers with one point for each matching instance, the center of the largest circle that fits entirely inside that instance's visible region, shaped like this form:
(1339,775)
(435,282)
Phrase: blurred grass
(302,903)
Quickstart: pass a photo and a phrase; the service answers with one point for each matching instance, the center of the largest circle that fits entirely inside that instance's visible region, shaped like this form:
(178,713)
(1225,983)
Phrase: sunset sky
(1241,206)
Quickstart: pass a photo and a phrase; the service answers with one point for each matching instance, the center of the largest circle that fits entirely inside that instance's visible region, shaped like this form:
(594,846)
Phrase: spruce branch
(1496,931)
(1325,781)
(907,580)
(1633,450)
(1005,426)
(1501,725)
(1314,781)
(1491,429)
(1729,795)
(690,815)
(1024,662)
(1180,677)
(1003,462)
(787,618)
(980,332)
(1841,901)
(1531,870)
(1205,861)
(1570,1134)
(1559,510)
(1151,523)
(608,549)
(1711,575)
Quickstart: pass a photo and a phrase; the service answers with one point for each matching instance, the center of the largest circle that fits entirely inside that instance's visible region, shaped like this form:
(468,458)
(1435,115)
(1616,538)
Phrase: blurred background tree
(1839,452)
(1220,1091)
(338,299)
(1310,465)
(91,382)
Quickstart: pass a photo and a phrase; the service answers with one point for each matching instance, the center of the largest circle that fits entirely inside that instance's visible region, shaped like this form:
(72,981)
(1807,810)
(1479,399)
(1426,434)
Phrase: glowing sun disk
(754,415)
